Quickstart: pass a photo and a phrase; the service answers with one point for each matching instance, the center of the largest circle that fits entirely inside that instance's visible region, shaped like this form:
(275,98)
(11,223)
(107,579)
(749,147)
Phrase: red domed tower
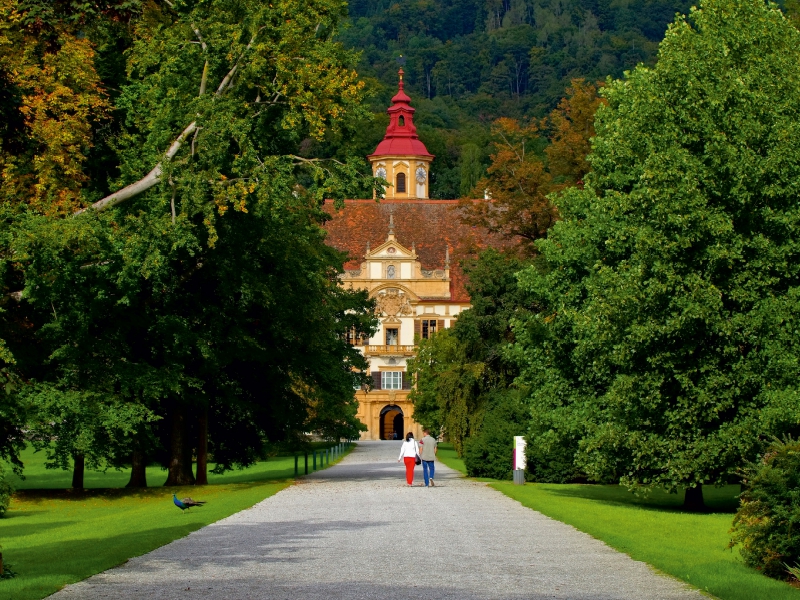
(401,158)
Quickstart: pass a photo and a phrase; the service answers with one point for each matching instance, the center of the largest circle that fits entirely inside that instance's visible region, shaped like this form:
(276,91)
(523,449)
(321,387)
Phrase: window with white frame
(391,380)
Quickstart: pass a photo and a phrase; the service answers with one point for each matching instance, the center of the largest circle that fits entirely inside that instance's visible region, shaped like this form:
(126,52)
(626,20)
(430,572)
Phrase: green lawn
(449,457)
(691,547)
(52,537)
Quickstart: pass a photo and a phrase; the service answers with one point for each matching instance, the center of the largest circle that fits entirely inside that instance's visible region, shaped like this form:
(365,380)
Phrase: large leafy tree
(462,372)
(202,288)
(666,345)
(521,176)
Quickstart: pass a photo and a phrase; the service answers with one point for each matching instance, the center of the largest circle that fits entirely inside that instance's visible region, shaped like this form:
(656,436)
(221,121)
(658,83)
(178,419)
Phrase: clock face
(380,172)
(421,175)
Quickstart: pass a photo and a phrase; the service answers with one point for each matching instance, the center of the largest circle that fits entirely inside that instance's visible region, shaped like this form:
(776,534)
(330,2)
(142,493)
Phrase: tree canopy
(189,298)
(665,351)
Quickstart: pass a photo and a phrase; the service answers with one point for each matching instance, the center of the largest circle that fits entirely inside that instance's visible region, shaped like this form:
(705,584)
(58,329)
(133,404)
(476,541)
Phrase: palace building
(405,251)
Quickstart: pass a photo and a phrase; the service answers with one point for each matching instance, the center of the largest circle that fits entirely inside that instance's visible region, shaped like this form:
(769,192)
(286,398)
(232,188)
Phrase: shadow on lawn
(37,496)
(718,500)
(10,531)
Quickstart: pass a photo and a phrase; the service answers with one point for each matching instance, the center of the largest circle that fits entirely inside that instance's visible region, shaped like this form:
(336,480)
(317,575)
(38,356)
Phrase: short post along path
(356,530)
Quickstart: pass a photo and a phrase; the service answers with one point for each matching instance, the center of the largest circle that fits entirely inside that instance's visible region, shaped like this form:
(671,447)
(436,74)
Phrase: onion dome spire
(401,135)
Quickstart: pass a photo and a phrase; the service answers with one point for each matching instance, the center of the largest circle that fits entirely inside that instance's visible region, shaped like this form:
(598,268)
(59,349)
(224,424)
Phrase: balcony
(390,350)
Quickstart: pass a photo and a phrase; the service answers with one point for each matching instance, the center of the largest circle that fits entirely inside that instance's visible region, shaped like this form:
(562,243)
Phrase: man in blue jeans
(428,450)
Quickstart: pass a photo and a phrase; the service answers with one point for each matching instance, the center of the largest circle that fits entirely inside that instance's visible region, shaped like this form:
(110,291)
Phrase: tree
(669,305)
(572,128)
(792,10)
(519,178)
(82,429)
(53,101)
(202,291)
(51,105)
(518,184)
(462,373)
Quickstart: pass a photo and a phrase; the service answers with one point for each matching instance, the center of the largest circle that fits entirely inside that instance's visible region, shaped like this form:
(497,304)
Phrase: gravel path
(356,531)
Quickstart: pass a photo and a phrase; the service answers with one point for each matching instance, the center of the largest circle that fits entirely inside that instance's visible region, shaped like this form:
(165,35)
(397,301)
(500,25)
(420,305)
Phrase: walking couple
(410,453)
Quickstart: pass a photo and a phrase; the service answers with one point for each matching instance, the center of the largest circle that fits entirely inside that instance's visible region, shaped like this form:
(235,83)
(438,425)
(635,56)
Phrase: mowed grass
(691,547)
(52,536)
(450,458)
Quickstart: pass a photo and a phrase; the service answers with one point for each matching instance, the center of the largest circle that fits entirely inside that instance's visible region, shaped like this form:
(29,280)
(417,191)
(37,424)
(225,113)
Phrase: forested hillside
(469,62)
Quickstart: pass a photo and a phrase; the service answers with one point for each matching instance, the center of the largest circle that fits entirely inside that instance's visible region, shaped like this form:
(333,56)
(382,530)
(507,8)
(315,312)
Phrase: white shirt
(409,449)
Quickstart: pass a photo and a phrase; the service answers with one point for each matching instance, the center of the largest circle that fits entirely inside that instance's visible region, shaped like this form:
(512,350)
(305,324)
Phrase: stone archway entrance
(391,424)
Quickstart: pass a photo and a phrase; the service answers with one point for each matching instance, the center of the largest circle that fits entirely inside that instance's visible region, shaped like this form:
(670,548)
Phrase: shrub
(6,489)
(767,525)
(489,453)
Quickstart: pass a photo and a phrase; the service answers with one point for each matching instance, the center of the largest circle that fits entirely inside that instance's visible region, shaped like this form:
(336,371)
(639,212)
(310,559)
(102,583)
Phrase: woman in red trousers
(408,454)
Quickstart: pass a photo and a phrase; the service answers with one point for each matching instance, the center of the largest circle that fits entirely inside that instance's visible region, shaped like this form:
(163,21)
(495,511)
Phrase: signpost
(519,459)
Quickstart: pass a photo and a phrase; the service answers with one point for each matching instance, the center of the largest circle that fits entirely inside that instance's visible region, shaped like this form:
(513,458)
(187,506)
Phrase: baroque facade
(405,251)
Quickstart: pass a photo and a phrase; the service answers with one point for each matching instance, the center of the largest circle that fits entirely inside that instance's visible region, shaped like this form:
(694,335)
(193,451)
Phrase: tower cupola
(401,158)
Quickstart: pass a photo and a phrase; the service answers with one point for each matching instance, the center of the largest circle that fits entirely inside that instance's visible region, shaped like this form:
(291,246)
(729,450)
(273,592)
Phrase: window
(355,339)
(401,182)
(357,381)
(391,337)
(428,328)
(402,121)
(390,272)
(392,380)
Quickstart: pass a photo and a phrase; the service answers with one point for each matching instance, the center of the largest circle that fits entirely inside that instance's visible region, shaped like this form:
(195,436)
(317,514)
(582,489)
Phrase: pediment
(391,249)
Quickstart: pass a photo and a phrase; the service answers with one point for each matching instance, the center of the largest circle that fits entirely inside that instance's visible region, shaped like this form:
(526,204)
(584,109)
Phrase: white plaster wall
(406,332)
(405,271)
(420,190)
(375,270)
(440,309)
(378,338)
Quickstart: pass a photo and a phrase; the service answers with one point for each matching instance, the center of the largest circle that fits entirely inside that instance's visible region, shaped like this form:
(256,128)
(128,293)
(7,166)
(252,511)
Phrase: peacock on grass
(186,503)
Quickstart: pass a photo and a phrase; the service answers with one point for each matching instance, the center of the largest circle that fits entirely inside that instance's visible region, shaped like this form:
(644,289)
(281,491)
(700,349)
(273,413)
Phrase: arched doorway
(391,423)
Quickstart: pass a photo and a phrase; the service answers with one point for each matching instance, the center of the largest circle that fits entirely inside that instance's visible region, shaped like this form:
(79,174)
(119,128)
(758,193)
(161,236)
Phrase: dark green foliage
(767,525)
(211,293)
(13,415)
(6,489)
(665,342)
(469,62)
(460,370)
(489,452)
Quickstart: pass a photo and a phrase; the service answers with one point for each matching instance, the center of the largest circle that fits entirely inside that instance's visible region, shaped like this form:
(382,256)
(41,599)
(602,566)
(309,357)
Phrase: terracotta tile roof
(433,225)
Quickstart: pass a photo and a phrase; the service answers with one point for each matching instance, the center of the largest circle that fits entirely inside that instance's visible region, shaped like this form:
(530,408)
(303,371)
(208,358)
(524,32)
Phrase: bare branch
(146,182)
(204,79)
(314,161)
(154,176)
(226,82)
(199,37)
(194,138)
(172,200)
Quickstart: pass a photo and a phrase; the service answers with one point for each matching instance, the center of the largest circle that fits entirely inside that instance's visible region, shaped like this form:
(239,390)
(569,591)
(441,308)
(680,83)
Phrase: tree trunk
(180,469)
(202,448)
(138,468)
(694,498)
(77,471)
